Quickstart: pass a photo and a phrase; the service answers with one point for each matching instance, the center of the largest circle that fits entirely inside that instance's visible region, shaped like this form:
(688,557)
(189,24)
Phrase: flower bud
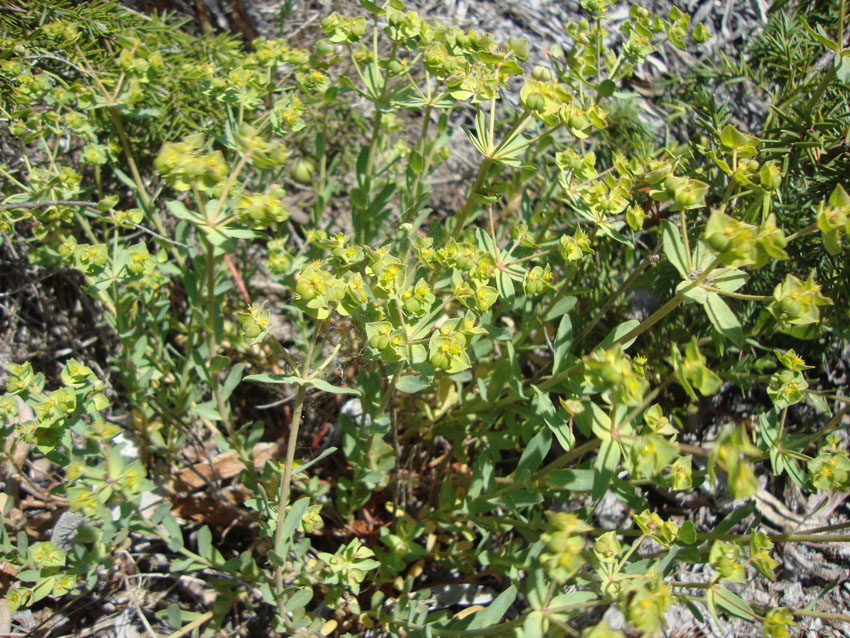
(541,73)
(323,48)
(770,176)
(701,33)
(302,171)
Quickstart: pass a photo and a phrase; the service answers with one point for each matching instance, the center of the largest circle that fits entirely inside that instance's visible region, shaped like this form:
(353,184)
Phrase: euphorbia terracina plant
(506,378)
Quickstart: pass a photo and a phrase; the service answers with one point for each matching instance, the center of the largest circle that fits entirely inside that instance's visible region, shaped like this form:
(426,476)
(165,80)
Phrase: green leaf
(800,477)
(241,233)
(374,8)
(723,319)
(572,480)
(732,604)
(416,162)
(818,402)
(606,465)
(232,380)
(215,236)
(733,138)
(172,612)
(412,383)
(731,280)
(733,518)
(560,307)
(217,363)
(689,291)
(606,88)
(534,453)
(627,494)
(146,113)
(504,285)
(674,249)
(299,599)
(573,598)
(721,164)
(693,609)
(843,69)
(712,608)
(373,81)
(688,533)
(179,210)
(495,611)
(305,466)
(124,178)
(532,627)
(543,408)
(820,37)
(208,410)
(358,198)
(205,543)
(317,383)
(563,341)
(293,518)
(482,131)
(619,331)
(43,589)
(173,532)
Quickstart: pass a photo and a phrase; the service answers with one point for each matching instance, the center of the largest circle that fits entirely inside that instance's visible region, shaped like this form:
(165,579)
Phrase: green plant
(484,400)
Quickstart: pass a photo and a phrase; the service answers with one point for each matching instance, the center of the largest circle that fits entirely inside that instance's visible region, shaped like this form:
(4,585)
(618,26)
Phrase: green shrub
(501,345)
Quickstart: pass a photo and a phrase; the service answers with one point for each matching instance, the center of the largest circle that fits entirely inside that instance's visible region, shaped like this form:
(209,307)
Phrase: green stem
(634,547)
(286,479)
(654,318)
(630,280)
(805,231)
(494,630)
(537,138)
(390,390)
(417,179)
(212,347)
(730,188)
(492,128)
(820,614)
(469,205)
(667,308)
(736,295)
(824,83)
(134,171)
(495,250)
(683,584)
(685,241)
(540,475)
(549,218)
(231,181)
(536,255)
(423,323)
(794,537)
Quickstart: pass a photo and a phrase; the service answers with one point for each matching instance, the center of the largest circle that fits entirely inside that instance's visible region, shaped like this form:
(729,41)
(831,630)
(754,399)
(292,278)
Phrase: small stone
(64,533)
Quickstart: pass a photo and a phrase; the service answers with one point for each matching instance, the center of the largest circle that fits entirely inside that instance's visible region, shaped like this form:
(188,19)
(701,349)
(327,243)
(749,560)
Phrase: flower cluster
(833,219)
(186,164)
(830,469)
(610,371)
(776,623)
(796,303)
(565,545)
(738,243)
(261,210)
(647,603)
(728,560)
